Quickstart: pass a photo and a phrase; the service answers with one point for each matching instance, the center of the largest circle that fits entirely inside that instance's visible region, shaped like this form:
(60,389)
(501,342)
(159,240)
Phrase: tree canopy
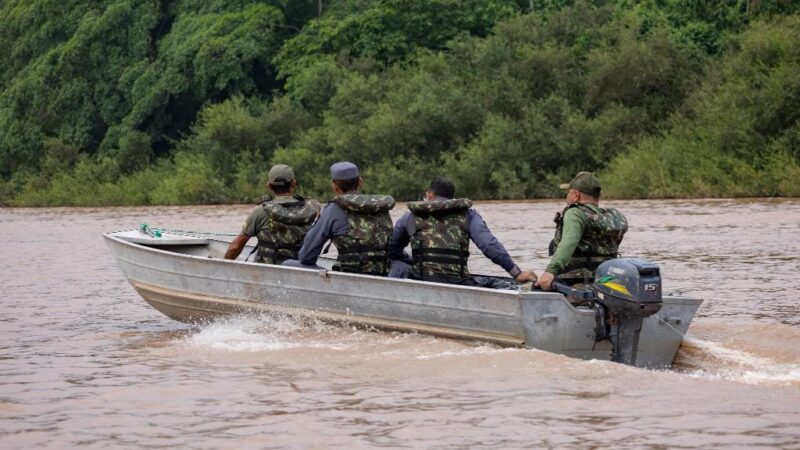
(188,101)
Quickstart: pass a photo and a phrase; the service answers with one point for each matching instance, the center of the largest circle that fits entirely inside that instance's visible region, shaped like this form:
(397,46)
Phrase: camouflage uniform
(601,232)
(440,245)
(280,223)
(287,225)
(365,246)
(405,229)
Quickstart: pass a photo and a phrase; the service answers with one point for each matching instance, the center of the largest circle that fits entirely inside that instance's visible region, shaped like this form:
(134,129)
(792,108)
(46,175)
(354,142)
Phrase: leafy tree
(737,135)
(388,31)
(184,101)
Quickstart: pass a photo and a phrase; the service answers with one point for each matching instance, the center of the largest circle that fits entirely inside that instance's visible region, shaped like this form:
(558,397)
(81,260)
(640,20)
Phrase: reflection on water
(84,361)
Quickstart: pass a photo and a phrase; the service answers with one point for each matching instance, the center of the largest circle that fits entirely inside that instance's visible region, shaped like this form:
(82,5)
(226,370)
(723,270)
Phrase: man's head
(584,188)
(440,187)
(281,179)
(345,178)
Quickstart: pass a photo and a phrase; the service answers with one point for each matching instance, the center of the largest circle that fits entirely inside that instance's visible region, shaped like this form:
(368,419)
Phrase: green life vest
(365,247)
(287,225)
(600,241)
(440,245)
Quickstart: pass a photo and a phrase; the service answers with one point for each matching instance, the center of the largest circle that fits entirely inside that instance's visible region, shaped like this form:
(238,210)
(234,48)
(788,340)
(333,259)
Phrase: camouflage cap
(280,175)
(344,170)
(584,182)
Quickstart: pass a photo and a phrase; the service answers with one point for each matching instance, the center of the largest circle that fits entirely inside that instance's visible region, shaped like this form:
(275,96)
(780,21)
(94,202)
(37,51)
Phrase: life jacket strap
(441,259)
(362,249)
(275,246)
(360,258)
(440,251)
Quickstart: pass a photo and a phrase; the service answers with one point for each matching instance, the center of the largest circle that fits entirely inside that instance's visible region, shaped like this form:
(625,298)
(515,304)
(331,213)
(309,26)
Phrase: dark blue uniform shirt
(332,222)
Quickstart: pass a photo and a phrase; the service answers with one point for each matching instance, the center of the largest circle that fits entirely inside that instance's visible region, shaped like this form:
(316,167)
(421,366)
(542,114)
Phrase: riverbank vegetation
(183,101)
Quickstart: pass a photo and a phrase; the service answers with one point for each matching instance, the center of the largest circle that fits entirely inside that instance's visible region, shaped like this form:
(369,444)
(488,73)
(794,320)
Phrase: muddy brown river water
(85,362)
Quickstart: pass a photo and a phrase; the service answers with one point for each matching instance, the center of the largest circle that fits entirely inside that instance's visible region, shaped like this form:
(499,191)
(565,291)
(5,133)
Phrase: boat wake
(700,358)
(708,359)
(475,349)
(276,333)
(262,333)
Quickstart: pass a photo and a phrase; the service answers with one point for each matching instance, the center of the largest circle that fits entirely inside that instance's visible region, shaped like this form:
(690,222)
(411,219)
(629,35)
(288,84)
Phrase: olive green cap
(584,182)
(280,175)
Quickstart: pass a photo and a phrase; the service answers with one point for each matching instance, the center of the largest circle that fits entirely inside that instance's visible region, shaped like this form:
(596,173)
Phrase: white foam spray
(476,350)
(711,359)
(262,333)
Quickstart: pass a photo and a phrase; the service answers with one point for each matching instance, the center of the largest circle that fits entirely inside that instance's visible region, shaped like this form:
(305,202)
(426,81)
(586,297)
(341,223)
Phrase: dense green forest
(118,102)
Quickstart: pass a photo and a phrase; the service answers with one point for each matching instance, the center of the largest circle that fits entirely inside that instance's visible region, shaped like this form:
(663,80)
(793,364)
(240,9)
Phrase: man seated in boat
(280,222)
(586,234)
(439,230)
(358,224)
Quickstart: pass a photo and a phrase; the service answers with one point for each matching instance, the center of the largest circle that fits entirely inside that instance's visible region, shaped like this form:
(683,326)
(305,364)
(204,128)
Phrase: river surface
(85,362)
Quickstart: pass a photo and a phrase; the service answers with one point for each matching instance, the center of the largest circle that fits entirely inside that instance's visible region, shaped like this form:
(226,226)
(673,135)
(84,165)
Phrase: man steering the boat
(586,234)
(358,224)
(280,221)
(439,229)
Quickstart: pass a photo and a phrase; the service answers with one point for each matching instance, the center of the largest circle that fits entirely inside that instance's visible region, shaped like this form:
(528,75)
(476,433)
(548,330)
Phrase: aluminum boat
(184,276)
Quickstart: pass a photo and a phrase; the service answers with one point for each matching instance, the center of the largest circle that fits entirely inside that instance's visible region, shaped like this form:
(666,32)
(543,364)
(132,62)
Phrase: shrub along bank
(179,102)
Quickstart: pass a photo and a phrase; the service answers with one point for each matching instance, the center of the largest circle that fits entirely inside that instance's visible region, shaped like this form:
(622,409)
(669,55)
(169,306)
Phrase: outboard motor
(627,291)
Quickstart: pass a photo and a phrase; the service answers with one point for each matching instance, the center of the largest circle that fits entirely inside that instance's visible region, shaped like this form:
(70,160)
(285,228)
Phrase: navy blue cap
(344,170)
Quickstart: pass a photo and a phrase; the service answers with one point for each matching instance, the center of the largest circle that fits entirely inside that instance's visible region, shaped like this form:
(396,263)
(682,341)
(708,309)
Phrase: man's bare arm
(236,246)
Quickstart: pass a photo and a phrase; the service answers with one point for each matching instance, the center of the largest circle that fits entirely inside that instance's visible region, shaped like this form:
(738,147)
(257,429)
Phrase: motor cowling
(628,287)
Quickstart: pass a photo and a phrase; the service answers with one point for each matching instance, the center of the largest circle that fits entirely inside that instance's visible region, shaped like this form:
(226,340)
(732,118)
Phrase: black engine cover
(628,287)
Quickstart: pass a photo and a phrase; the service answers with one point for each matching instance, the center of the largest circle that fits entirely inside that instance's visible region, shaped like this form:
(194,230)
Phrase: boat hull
(195,284)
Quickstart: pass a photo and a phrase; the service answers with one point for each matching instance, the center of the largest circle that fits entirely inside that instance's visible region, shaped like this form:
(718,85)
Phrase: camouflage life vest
(440,245)
(287,225)
(600,241)
(365,247)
